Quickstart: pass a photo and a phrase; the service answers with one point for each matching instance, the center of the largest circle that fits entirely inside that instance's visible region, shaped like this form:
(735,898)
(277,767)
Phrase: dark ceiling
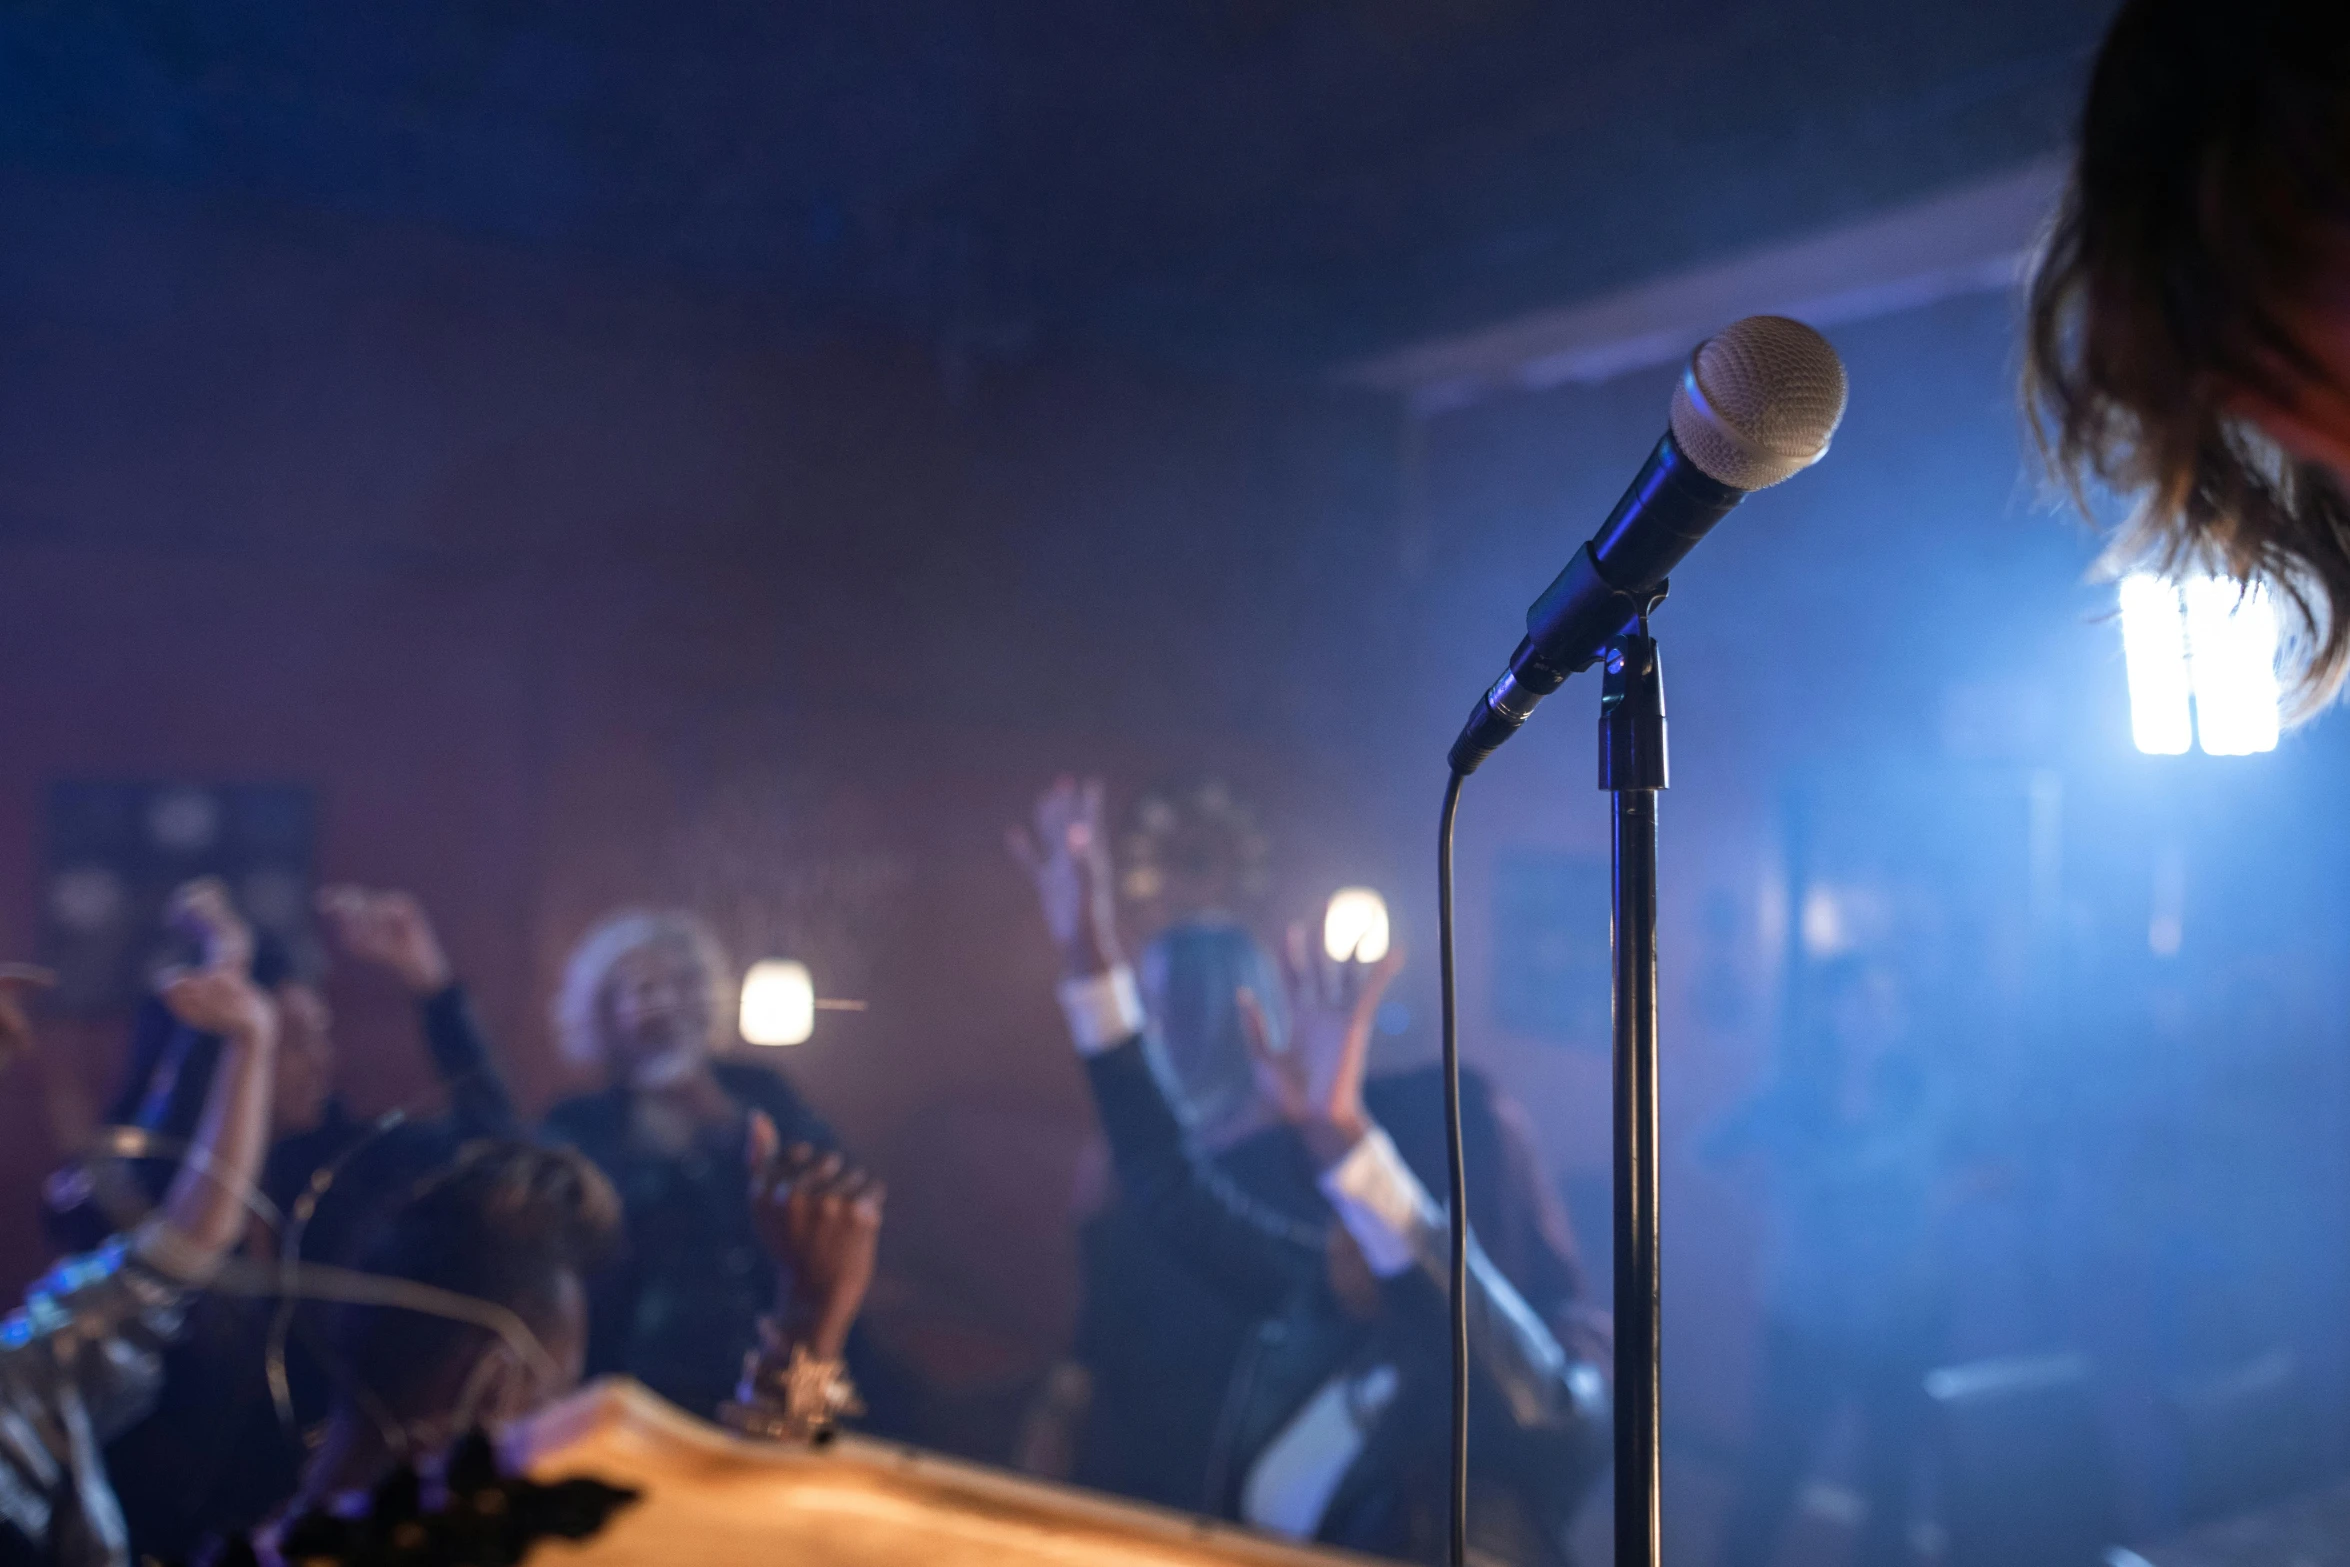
(1278,184)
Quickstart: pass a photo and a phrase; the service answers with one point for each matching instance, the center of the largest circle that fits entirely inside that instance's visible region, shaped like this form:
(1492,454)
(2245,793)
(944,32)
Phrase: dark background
(735,454)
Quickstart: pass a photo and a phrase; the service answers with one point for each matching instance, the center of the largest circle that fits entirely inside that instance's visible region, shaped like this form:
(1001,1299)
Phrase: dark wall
(572,590)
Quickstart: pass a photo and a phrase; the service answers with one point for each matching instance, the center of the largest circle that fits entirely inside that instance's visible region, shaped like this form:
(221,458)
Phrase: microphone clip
(1632,714)
(1580,597)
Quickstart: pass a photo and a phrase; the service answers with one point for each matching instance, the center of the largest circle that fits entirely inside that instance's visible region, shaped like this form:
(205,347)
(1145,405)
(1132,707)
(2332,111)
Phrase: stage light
(2154,645)
(1355,925)
(779,1003)
(2202,658)
(2232,650)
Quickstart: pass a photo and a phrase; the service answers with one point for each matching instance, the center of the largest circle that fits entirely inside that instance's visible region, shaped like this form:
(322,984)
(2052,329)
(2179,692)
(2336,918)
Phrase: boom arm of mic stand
(1632,766)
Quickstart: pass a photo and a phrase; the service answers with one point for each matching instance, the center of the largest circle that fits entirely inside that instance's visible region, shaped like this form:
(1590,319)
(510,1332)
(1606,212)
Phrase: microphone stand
(1632,767)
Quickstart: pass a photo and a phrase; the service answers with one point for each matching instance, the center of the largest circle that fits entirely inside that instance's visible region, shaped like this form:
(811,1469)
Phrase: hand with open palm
(1067,856)
(1315,1077)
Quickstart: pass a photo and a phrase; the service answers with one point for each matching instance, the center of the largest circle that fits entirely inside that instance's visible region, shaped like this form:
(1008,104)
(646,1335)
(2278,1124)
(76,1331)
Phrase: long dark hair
(2210,192)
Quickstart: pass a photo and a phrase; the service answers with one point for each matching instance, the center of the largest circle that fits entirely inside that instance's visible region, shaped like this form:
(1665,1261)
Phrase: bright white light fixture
(779,1003)
(2154,645)
(2202,658)
(1355,926)
(2232,649)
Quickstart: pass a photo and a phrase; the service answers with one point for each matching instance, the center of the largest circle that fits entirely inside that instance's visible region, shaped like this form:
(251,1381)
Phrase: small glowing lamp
(779,1003)
(1355,926)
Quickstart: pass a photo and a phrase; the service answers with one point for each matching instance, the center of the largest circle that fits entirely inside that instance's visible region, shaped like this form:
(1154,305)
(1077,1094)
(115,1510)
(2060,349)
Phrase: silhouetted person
(1852,1145)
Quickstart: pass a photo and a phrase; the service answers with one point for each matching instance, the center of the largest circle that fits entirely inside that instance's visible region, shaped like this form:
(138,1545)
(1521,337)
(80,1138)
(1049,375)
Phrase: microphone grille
(1759,402)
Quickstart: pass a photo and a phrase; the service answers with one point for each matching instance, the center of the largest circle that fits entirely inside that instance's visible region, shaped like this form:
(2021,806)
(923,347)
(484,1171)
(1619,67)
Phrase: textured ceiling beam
(1970,240)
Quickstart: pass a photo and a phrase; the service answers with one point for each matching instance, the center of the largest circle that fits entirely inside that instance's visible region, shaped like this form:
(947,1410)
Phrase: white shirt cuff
(1381,1203)
(1102,1009)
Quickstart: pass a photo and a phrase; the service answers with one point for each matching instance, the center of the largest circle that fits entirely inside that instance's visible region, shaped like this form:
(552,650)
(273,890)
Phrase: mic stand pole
(1632,767)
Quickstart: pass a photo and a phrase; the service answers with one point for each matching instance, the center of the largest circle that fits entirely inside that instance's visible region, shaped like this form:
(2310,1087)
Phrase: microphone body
(1758,404)
(1608,584)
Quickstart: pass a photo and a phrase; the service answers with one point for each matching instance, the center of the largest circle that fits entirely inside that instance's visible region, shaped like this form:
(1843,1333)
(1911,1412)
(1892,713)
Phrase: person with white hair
(647,998)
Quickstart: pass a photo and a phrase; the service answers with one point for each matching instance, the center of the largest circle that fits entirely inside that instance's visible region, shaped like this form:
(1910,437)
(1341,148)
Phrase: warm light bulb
(1355,925)
(779,1003)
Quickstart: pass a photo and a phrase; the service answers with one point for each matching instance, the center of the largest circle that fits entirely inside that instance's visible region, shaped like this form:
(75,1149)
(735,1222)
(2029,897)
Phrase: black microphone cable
(1456,1172)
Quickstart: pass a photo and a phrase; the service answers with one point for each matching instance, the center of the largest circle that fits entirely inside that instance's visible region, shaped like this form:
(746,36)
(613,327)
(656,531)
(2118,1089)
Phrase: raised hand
(1316,1081)
(389,929)
(820,1219)
(206,1204)
(201,911)
(220,1000)
(1067,855)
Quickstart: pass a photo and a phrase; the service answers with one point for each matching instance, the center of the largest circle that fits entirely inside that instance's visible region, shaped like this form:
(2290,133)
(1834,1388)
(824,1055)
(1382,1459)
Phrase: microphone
(1758,404)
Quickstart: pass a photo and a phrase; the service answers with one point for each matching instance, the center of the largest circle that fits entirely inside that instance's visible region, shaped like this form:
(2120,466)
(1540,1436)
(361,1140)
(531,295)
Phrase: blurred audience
(494,1322)
(312,1130)
(1263,1336)
(647,997)
(253,1378)
(82,1358)
(1329,1419)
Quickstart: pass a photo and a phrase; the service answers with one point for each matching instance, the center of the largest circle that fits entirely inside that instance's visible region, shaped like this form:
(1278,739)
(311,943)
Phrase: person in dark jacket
(1333,1425)
(1155,1342)
(1139,1407)
(647,997)
(250,1377)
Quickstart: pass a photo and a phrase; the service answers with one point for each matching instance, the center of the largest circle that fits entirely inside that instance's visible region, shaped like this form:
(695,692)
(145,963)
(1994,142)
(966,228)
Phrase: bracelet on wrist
(794,1397)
